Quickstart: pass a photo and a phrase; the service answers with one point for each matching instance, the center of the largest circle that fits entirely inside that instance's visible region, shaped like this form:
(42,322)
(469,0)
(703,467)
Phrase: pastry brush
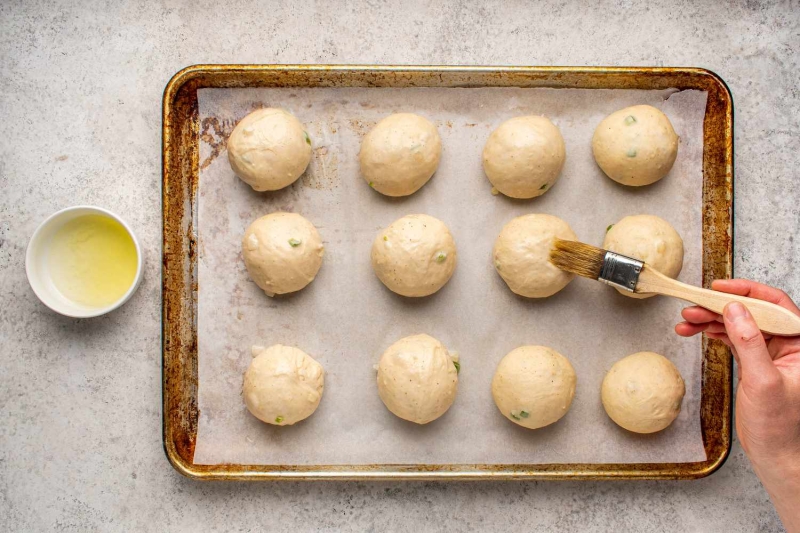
(636,276)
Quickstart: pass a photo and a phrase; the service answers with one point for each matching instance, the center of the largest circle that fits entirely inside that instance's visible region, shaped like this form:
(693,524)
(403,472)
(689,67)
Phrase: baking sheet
(346,318)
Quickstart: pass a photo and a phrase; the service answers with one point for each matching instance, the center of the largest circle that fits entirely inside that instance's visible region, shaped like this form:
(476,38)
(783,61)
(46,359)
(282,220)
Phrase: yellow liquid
(92,260)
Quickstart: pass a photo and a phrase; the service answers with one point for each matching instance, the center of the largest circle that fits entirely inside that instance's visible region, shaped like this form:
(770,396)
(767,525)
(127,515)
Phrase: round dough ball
(524,156)
(522,255)
(283,385)
(643,392)
(282,252)
(650,239)
(269,149)
(533,386)
(636,145)
(417,379)
(400,154)
(414,256)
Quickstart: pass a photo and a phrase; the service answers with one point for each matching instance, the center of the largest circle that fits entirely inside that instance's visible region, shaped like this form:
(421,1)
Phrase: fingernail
(735,311)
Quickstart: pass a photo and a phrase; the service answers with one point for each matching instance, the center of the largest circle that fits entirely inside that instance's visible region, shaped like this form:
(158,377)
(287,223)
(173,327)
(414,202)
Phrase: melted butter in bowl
(83,261)
(92,260)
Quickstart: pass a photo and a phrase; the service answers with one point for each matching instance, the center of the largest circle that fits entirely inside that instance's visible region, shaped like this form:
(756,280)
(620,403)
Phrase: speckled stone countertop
(80,101)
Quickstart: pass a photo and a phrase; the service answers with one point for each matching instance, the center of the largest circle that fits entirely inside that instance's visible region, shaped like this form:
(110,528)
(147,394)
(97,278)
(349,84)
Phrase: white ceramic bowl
(39,274)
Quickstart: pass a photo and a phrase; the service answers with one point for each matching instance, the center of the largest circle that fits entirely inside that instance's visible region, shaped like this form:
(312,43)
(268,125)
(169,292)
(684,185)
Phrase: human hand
(767,393)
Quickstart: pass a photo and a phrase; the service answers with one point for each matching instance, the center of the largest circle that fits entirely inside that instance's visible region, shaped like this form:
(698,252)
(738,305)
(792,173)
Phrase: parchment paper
(346,318)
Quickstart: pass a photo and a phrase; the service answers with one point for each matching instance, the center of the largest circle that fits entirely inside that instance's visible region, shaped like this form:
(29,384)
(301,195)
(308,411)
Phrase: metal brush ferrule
(620,271)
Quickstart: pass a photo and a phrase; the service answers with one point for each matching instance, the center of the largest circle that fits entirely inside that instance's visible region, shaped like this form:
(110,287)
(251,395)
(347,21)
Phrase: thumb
(755,363)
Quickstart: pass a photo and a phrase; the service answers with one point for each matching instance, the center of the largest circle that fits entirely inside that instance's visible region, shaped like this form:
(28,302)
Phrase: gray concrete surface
(80,122)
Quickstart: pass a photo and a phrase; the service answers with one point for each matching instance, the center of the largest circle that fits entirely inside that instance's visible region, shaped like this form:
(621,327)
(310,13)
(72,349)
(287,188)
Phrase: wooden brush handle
(770,318)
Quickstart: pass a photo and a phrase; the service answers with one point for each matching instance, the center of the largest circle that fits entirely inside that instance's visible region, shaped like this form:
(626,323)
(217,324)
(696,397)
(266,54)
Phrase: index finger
(699,315)
(759,291)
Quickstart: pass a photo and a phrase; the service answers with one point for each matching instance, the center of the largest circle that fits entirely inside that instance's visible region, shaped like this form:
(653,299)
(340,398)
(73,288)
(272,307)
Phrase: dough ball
(282,252)
(533,386)
(417,379)
(522,252)
(649,239)
(524,156)
(269,149)
(282,385)
(414,256)
(636,145)
(643,392)
(400,154)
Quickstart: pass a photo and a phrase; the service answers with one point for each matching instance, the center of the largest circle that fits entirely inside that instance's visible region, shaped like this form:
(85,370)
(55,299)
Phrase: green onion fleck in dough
(543,187)
(371,184)
(630,119)
(308,139)
(385,238)
(278,419)
(609,227)
(458,366)
(631,152)
(294,243)
(441,256)
(524,414)
(515,415)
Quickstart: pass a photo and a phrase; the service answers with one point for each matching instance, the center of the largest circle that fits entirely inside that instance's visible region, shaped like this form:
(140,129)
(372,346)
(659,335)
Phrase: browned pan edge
(179,296)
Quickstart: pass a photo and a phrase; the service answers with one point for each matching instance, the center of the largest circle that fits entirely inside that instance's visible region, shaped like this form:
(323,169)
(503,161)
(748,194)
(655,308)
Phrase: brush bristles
(578,258)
